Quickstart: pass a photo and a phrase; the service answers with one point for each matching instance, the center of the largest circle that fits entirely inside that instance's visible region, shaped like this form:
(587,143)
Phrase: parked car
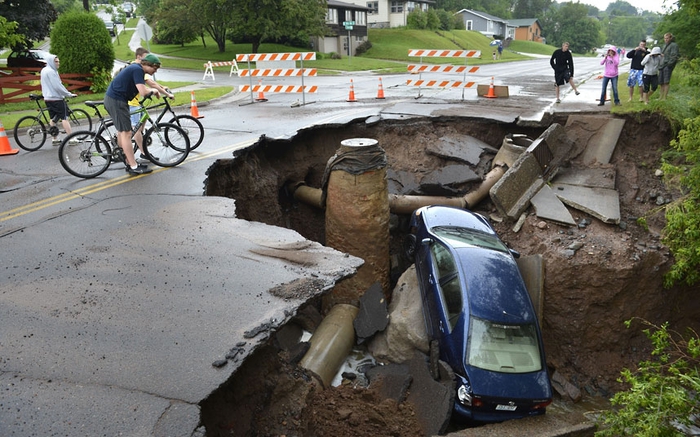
(111,28)
(479,316)
(27,58)
(128,9)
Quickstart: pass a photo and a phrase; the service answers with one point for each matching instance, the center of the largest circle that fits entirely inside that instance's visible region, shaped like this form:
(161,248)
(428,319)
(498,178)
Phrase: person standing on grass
(650,77)
(611,61)
(125,86)
(563,65)
(636,69)
(668,62)
(54,95)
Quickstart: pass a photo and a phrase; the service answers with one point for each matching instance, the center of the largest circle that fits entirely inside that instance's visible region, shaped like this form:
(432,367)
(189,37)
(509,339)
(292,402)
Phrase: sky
(649,5)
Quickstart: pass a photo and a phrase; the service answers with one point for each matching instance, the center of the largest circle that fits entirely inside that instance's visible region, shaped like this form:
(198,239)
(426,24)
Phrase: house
(383,14)
(527,29)
(342,37)
(486,24)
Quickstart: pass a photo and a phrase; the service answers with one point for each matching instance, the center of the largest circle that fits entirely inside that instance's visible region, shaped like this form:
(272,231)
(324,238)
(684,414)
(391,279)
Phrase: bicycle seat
(36,97)
(94,103)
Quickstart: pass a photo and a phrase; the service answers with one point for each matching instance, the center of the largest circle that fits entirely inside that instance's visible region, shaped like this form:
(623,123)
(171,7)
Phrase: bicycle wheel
(87,157)
(166,145)
(193,127)
(30,133)
(80,120)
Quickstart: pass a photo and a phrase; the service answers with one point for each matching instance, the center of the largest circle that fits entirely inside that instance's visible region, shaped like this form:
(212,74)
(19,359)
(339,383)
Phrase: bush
(83,43)
(362,48)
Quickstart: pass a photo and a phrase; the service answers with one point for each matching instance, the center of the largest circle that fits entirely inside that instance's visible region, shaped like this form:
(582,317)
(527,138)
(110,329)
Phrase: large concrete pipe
(331,343)
(357,216)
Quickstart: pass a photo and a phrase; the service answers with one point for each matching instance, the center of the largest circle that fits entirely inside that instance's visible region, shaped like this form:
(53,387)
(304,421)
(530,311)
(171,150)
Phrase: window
(489,25)
(503,348)
(348,15)
(332,16)
(373,8)
(448,281)
(410,6)
(396,7)
(360,18)
(470,25)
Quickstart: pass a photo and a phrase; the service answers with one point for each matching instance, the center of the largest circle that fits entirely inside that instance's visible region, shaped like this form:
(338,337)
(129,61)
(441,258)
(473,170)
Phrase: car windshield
(503,348)
(459,236)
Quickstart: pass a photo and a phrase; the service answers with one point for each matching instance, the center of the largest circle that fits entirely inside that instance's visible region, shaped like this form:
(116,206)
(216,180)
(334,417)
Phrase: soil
(597,275)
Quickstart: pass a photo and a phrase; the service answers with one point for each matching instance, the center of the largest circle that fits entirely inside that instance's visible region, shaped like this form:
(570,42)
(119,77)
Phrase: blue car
(479,315)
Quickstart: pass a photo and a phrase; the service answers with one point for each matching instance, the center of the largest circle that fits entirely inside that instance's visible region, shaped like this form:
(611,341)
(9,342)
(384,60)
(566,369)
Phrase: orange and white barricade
(293,58)
(209,68)
(429,68)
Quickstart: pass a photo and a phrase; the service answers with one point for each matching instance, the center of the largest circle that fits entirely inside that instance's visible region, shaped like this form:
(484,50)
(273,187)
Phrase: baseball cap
(153,59)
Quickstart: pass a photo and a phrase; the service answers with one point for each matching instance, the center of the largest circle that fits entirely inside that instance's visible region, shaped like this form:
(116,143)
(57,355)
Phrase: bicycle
(30,132)
(90,155)
(191,125)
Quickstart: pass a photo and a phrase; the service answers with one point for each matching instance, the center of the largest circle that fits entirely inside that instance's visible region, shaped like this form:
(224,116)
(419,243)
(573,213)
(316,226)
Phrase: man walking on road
(54,93)
(563,65)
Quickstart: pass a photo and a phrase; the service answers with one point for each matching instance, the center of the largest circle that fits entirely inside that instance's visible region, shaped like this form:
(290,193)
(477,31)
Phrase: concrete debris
(392,380)
(601,203)
(373,316)
(462,148)
(445,181)
(548,206)
(564,387)
(595,136)
(432,400)
(406,330)
(532,270)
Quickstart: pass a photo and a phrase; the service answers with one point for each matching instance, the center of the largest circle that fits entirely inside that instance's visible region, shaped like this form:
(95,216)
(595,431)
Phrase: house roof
(483,15)
(337,4)
(524,22)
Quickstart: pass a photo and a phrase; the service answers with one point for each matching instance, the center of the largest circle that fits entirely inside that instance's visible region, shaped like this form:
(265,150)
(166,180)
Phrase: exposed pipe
(331,343)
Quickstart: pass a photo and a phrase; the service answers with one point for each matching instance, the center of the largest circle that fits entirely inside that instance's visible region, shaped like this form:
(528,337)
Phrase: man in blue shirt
(129,83)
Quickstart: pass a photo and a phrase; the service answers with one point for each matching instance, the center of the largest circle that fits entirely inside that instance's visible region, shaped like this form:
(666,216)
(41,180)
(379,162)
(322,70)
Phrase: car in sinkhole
(479,316)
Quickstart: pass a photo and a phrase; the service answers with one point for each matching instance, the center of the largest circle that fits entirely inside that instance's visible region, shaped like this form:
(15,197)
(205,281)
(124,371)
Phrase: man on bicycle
(54,95)
(129,83)
(134,103)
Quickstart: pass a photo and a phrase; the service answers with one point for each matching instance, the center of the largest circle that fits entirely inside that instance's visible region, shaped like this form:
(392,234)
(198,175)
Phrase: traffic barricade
(277,72)
(444,68)
(209,68)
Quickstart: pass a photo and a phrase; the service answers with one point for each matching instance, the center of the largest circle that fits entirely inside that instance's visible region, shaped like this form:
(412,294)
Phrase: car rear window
(458,236)
(503,348)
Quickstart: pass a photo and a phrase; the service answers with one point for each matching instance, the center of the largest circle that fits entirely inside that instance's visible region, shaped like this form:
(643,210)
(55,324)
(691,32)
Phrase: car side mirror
(515,253)
(426,241)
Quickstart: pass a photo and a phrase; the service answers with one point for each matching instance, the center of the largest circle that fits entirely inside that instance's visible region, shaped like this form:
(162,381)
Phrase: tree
(258,21)
(215,16)
(174,24)
(662,392)
(82,42)
(626,31)
(34,18)
(530,8)
(8,33)
(686,27)
(570,22)
(621,7)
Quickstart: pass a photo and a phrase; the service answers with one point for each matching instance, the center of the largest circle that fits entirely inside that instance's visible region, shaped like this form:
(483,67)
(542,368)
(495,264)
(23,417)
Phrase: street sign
(144,31)
(348,27)
(348,23)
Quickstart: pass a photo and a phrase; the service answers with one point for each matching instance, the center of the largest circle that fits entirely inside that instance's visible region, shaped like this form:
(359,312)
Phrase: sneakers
(142,156)
(557,101)
(577,93)
(601,104)
(141,169)
(56,142)
(73,141)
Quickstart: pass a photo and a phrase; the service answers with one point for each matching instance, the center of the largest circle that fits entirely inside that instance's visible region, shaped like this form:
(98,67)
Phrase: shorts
(561,77)
(665,75)
(635,78)
(119,111)
(58,109)
(650,82)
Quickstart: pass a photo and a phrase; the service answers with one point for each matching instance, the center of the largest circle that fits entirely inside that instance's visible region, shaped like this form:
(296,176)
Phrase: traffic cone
(491,94)
(194,112)
(261,95)
(380,93)
(5,147)
(351,96)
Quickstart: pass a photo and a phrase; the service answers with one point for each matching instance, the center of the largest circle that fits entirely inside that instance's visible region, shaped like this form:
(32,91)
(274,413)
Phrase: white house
(390,13)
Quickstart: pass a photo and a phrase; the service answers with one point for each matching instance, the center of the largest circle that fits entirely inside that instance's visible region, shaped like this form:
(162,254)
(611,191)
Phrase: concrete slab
(373,315)
(532,270)
(548,206)
(462,148)
(601,203)
(595,177)
(596,136)
(432,400)
(85,340)
(445,181)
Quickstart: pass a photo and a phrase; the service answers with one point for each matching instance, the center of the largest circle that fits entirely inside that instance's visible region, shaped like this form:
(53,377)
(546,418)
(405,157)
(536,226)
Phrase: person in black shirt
(637,69)
(563,65)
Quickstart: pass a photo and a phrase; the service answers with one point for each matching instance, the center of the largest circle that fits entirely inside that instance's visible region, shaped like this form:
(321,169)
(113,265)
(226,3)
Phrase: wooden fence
(17,83)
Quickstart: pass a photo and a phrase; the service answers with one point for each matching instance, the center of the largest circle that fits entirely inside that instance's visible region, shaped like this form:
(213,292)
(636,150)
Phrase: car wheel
(434,357)
(409,246)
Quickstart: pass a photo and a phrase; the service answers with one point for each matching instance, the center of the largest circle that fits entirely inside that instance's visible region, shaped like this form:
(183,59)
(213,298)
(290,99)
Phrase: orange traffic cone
(380,93)
(351,96)
(194,112)
(491,94)
(5,147)
(261,95)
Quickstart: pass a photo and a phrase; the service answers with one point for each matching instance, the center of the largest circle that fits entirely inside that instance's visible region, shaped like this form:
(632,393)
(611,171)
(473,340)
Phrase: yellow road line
(102,185)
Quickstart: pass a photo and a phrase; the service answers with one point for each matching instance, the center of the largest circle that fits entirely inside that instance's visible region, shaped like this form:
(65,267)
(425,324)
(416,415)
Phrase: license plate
(506,407)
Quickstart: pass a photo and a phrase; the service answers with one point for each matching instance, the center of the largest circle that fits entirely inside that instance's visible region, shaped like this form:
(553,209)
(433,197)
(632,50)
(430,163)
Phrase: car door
(446,303)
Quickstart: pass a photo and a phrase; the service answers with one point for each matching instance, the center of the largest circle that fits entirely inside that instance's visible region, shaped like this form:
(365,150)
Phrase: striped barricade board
(440,83)
(278,88)
(255,57)
(424,68)
(209,68)
(278,72)
(427,68)
(280,59)
(444,53)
